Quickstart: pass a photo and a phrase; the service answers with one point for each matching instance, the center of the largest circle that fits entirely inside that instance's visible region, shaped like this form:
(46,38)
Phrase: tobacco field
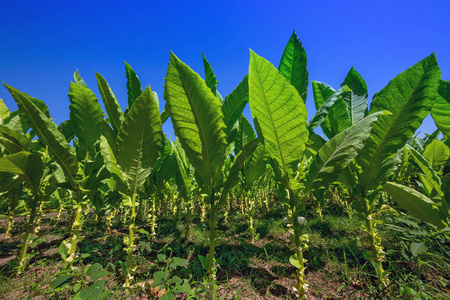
(346,202)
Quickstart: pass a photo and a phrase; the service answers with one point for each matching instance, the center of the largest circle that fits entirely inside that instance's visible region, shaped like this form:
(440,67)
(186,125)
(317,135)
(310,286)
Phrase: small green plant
(166,281)
(92,290)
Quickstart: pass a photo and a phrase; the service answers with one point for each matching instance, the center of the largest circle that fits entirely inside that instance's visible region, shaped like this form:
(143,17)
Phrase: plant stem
(10,223)
(132,230)
(75,232)
(376,254)
(29,231)
(153,230)
(299,245)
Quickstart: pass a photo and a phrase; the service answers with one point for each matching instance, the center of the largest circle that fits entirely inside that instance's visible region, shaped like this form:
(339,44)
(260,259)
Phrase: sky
(42,43)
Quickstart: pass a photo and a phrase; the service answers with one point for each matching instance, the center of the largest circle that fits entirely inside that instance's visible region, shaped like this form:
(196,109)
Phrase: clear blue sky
(43,42)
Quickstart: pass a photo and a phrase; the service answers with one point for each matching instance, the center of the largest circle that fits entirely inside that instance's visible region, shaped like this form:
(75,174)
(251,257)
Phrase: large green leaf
(255,166)
(280,115)
(441,109)
(236,166)
(241,134)
(86,117)
(323,111)
(26,165)
(16,122)
(139,140)
(210,77)
(48,133)
(437,154)
(430,178)
(337,153)
(339,117)
(416,203)
(293,65)
(66,128)
(197,119)
(333,117)
(235,103)
(183,178)
(409,97)
(357,98)
(4,111)
(109,158)
(134,89)
(14,140)
(112,106)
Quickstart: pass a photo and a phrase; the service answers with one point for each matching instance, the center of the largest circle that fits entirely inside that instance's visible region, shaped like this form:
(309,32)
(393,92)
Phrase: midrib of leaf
(139,159)
(351,105)
(389,130)
(275,131)
(200,128)
(86,131)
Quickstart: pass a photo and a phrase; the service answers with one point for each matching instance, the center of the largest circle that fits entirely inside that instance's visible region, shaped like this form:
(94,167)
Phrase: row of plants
(119,162)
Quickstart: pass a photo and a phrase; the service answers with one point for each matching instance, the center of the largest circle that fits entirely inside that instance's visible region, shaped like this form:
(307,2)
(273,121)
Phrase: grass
(337,267)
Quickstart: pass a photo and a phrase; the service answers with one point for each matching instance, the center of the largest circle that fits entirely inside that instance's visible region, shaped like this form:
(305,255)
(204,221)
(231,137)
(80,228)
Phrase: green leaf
(15,122)
(177,262)
(27,166)
(337,153)
(134,89)
(112,106)
(164,116)
(339,117)
(197,119)
(167,296)
(409,97)
(280,113)
(210,77)
(109,159)
(14,140)
(322,92)
(430,178)
(238,163)
(437,154)
(86,117)
(139,140)
(95,272)
(241,134)
(327,105)
(255,166)
(431,137)
(47,132)
(235,103)
(417,248)
(294,261)
(293,65)
(4,111)
(416,203)
(66,129)
(79,80)
(60,281)
(441,109)
(93,291)
(357,98)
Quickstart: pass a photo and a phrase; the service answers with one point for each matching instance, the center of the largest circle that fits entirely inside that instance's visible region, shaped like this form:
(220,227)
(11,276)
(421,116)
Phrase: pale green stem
(75,232)
(132,230)
(29,230)
(301,279)
(153,229)
(376,256)
(10,223)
